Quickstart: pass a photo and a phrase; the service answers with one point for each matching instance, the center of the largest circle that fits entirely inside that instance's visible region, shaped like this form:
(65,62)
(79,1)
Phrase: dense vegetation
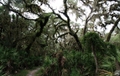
(56,44)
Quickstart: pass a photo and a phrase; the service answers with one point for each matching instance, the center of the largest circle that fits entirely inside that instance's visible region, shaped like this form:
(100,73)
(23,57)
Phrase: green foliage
(115,40)
(106,53)
(7,58)
(12,60)
(21,73)
(92,39)
(16,34)
(79,61)
(75,72)
(108,63)
(76,64)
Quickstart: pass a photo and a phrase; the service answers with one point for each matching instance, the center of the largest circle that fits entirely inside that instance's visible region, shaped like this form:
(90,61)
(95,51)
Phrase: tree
(26,25)
(92,20)
(94,44)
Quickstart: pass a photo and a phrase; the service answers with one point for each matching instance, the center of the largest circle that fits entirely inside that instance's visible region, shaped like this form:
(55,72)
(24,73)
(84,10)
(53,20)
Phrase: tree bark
(38,34)
(95,58)
(78,42)
(85,28)
(72,33)
(111,31)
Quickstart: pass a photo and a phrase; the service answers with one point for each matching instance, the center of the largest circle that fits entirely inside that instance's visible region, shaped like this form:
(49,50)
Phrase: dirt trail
(32,72)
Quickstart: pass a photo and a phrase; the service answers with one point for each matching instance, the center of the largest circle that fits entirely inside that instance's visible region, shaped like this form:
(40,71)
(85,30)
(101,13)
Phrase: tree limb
(63,34)
(72,33)
(113,28)
(55,13)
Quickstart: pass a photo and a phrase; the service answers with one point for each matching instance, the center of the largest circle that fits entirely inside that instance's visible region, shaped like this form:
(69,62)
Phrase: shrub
(12,60)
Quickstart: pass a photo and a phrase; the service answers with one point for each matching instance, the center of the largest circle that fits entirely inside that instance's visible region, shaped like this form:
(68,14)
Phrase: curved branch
(15,11)
(86,22)
(55,13)
(38,34)
(20,14)
(72,33)
(63,34)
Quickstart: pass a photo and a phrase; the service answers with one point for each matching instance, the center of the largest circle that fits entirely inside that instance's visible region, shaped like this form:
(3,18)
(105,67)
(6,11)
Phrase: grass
(21,73)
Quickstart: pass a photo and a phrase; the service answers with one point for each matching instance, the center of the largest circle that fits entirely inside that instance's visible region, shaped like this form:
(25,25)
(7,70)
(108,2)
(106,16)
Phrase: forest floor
(33,72)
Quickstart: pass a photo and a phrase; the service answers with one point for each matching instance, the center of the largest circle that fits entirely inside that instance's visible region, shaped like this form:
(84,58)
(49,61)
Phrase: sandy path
(32,72)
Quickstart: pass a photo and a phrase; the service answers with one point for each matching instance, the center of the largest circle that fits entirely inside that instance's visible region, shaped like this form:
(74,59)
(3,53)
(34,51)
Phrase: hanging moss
(92,39)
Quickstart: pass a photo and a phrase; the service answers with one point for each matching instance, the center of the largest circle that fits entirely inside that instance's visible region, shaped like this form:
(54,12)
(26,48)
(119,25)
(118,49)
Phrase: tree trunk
(85,28)
(38,34)
(111,31)
(86,23)
(74,34)
(95,58)
(78,42)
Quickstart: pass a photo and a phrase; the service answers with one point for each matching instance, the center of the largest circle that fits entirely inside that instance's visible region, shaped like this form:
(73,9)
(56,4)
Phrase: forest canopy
(77,38)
